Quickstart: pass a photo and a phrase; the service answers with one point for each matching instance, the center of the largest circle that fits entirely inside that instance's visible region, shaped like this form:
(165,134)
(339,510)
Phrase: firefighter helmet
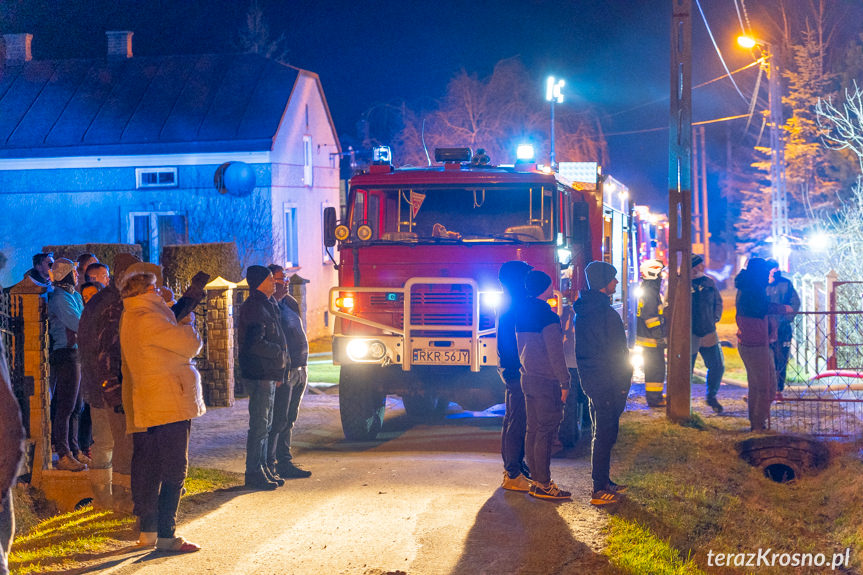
(651,269)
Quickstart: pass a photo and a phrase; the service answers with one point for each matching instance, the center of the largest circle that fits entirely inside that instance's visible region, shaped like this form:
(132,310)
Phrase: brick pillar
(219,385)
(239,296)
(32,310)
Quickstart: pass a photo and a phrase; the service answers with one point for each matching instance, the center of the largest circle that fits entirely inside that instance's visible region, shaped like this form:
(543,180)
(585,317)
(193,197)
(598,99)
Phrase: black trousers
(781,353)
(286,408)
(514,426)
(544,411)
(66,397)
(605,412)
(159,465)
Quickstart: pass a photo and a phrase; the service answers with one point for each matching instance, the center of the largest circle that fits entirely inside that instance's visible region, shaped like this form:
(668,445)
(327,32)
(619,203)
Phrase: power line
(701,123)
(718,51)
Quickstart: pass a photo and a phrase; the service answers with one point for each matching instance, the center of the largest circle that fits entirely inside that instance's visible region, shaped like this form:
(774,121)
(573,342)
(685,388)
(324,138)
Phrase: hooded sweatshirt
(540,342)
(753,305)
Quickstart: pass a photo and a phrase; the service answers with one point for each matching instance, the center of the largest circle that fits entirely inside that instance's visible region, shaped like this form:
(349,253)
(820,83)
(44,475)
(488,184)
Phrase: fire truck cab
(419,253)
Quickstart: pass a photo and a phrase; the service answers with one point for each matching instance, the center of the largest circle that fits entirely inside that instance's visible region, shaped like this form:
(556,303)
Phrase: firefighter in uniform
(650,334)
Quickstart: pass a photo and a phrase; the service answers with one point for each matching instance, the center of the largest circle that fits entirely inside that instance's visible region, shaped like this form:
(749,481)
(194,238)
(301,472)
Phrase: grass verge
(690,494)
(324,372)
(72,540)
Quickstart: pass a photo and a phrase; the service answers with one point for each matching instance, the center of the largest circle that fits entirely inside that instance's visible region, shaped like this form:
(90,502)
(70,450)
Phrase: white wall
(290,190)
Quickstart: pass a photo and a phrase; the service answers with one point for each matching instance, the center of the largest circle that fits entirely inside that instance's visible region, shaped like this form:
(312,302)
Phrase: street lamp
(553,93)
(778,197)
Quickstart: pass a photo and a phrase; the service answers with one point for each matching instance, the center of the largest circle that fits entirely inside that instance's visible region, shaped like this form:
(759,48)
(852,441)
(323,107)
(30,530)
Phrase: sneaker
(176,545)
(291,471)
(616,488)
(259,481)
(519,483)
(83,458)
(272,476)
(69,463)
(604,497)
(551,492)
(715,405)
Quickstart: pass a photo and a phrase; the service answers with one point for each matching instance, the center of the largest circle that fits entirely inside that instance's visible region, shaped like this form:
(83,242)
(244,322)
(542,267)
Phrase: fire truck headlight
(366,350)
(345,303)
(491,299)
(377,350)
(358,349)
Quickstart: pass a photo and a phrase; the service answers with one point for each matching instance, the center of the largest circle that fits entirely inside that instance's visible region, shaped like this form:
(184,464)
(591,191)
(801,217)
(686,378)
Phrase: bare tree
(843,128)
(256,38)
(497,113)
(245,220)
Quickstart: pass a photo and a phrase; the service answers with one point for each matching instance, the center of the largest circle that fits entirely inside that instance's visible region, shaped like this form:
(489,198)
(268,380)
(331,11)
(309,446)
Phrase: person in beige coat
(161,395)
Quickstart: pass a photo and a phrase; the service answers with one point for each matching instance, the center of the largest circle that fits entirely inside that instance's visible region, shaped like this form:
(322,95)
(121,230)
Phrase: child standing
(544,380)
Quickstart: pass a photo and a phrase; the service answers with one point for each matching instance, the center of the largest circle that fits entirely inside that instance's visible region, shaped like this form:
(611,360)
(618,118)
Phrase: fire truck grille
(441,307)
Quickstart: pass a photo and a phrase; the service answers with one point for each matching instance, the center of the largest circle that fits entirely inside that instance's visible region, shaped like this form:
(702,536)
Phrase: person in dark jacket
(706,313)
(40,273)
(650,331)
(780,290)
(101,387)
(544,380)
(605,370)
(516,474)
(289,395)
(64,313)
(263,362)
(753,338)
(12,438)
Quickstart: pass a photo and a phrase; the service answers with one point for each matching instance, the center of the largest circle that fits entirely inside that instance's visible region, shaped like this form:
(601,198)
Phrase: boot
(122,489)
(654,398)
(100,483)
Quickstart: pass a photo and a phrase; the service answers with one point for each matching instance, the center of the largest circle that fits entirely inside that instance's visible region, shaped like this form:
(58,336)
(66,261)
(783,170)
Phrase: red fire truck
(420,250)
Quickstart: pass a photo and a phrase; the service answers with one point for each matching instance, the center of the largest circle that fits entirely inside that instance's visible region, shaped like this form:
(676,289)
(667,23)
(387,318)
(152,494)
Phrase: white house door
(152,230)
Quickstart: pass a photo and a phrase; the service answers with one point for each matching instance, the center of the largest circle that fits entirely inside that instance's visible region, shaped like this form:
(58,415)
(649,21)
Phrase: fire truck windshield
(483,214)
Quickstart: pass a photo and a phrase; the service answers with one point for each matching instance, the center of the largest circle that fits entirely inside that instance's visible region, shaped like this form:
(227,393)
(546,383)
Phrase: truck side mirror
(329,226)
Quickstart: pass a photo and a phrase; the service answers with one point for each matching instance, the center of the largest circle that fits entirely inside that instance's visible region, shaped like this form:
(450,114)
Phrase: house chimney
(119,44)
(18,47)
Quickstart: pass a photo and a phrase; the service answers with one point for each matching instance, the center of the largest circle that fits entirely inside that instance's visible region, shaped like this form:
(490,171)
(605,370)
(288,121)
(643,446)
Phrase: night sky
(613,55)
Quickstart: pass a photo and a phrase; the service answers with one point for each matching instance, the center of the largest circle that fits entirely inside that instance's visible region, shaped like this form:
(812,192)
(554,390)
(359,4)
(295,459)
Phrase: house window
(156,177)
(292,259)
(308,170)
(152,230)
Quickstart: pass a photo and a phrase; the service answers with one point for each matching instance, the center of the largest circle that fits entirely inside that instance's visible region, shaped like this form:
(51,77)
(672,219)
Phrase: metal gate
(12,335)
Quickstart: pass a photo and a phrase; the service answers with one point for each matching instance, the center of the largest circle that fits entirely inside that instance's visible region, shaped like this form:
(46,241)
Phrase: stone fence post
(240,294)
(66,488)
(219,368)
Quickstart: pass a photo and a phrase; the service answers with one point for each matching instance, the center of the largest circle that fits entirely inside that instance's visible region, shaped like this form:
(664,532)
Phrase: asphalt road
(423,499)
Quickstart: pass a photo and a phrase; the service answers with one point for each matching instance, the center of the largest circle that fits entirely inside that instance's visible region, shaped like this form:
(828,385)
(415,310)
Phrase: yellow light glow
(346,302)
(552,301)
(746,42)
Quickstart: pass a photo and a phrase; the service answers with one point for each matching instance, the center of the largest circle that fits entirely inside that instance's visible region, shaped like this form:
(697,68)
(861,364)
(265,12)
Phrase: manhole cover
(784,458)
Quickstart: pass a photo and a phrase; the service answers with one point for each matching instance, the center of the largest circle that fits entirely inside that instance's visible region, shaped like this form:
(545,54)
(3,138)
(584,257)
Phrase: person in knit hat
(544,380)
(263,362)
(606,374)
(64,313)
(516,474)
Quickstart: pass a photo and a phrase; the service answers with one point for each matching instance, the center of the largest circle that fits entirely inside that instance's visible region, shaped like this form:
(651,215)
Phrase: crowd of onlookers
(124,386)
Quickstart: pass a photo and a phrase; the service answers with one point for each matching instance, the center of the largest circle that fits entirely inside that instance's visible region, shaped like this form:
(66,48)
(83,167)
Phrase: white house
(126,149)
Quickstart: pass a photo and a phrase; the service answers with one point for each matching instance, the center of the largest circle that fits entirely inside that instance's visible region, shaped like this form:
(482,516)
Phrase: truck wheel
(361,406)
(571,426)
(425,406)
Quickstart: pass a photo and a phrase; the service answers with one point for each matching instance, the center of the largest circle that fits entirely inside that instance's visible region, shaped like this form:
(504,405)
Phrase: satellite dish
(235,178)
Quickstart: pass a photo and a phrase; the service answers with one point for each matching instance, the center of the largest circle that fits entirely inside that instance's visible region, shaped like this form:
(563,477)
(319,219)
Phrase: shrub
(105,252)
(181,262)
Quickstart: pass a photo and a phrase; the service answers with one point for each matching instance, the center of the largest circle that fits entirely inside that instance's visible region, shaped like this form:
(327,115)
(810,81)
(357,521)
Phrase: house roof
(142,105)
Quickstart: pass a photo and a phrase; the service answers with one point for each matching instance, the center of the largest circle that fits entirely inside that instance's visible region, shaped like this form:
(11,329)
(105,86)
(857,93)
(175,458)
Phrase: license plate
(435,356)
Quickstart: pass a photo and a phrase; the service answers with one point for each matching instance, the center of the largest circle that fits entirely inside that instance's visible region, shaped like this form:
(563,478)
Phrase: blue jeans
(261,396)
(715,363)
(514,426)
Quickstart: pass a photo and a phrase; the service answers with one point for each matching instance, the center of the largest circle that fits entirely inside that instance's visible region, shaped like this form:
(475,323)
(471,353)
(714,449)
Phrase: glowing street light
(553,93)
(746,42)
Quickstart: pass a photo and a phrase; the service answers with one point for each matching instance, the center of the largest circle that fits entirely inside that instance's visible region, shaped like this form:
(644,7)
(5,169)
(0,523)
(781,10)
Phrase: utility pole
(705,225)
(779,199)
(680,212)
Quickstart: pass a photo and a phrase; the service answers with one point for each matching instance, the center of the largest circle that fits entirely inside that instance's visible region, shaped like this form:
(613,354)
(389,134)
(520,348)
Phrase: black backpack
(702,310)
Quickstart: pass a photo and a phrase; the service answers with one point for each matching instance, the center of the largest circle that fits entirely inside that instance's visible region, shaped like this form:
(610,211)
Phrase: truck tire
(425,406)
(361,405)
